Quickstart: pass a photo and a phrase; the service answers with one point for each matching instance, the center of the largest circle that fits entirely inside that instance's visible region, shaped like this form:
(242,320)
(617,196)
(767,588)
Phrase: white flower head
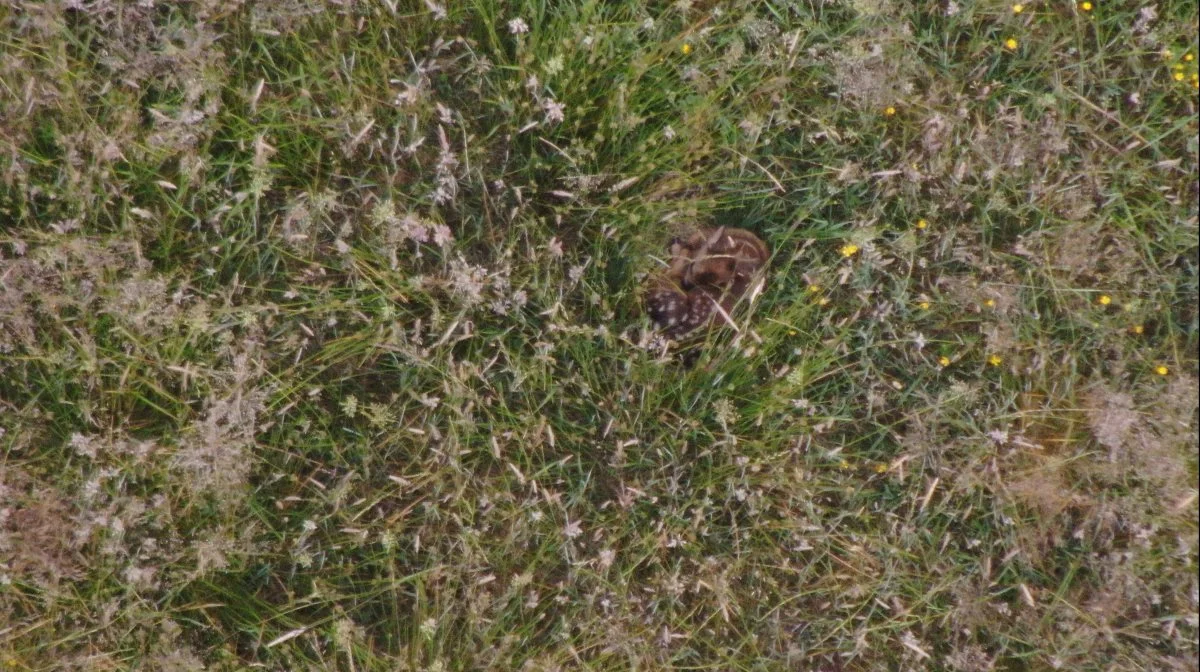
(919,340)
(518,26)
(438,11)
(554,110)
(442,236)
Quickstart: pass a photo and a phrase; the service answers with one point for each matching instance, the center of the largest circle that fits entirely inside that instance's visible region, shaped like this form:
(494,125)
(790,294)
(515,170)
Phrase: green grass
(321,343)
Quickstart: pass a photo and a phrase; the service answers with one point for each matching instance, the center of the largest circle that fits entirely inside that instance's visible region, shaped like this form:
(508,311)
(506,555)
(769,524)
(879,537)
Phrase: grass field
(322,348)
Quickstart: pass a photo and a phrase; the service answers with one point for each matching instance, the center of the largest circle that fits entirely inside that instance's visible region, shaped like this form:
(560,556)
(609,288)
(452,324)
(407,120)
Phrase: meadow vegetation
(321,344)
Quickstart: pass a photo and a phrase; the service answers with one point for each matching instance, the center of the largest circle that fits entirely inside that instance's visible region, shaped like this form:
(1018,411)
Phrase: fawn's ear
(715,237)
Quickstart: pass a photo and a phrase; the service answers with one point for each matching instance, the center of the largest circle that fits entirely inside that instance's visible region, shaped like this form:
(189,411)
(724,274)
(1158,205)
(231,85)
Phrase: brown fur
(710,268)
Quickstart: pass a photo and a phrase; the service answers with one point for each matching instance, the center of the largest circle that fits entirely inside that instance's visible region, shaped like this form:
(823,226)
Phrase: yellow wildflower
(943,361)
(1139,329)
(1178,76)
(995,360)
(1161,370)
(823,301)
(990,303)
(849,249)
(924,305)
(1105,299)
(1085,6)
(881,468)
(1011,43)
(686,49)
(889,111)
(922,224)
(1018,8)
(1189,57)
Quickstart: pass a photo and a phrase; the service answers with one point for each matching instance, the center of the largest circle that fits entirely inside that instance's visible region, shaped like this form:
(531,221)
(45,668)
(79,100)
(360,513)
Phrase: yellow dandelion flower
(823,301)
(1018,8)
(686,49)
(1161,370)
(849,249)
(924,305)
(995,360)
(1178,76)
(881,468)
(1104,299)
(889,111)
(1189,57)
(990,303)
(1085,6)
(922,224)
(1139,329)
(1011,43)
(943,361)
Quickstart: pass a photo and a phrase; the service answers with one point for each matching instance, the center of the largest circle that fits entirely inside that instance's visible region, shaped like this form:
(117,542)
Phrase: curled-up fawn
(707,274)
